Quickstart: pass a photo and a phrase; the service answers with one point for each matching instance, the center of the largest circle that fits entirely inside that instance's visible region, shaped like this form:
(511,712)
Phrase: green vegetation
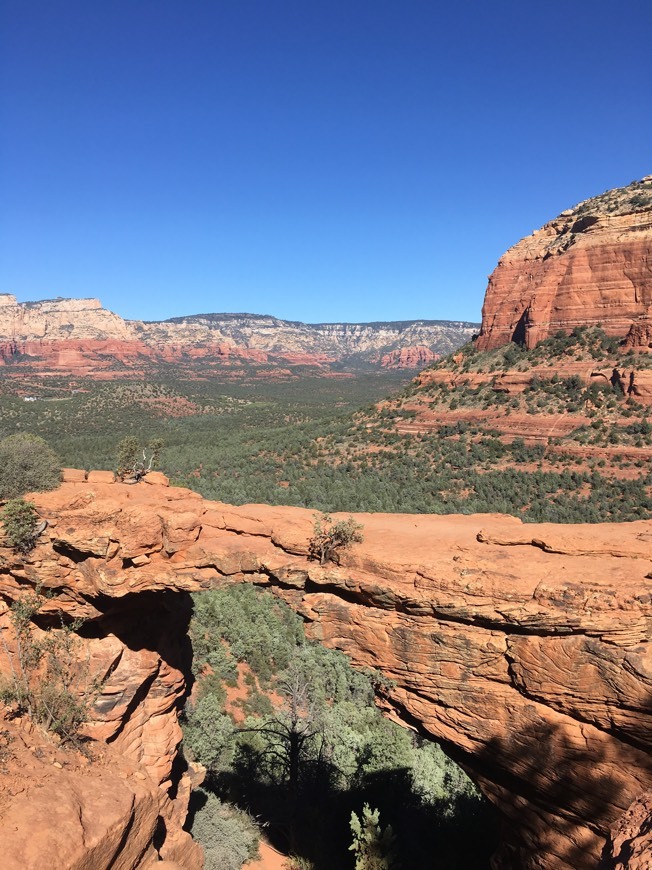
(135,460)
(582,344)
(374,847)
(321,444)
(635,197)
(47,680)
(27,464)
(330,537)
(308,746)
(20,522)
(229,835)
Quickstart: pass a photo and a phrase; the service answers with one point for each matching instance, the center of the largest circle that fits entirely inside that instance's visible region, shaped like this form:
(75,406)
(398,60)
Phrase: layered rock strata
(592,265)
(524,649)
(79,337)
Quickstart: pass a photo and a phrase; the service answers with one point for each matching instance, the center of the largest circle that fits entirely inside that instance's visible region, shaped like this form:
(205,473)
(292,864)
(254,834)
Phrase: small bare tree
(134,460)
(330,537)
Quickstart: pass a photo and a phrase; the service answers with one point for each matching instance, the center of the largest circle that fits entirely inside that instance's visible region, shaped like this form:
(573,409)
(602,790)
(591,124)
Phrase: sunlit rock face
(80,337)
(592,266)
(524,649)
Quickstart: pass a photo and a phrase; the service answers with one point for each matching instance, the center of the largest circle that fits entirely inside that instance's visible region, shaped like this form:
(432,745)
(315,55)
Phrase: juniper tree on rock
(330,537)
(134,460)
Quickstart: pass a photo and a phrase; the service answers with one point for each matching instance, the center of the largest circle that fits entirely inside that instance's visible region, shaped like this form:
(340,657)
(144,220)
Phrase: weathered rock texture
(79,337)
(591,265)
(630,845)
(66,811)
(525,649)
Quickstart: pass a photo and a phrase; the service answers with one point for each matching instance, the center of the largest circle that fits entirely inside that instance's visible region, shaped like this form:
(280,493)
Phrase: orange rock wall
(572,273)
(525,649)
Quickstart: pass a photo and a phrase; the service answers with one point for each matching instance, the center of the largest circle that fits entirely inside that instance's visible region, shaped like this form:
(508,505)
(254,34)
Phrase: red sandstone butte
(417,357)
(524,648)
(591,265)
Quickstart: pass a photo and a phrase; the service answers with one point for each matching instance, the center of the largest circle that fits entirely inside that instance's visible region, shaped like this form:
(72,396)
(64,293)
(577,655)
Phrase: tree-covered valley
(294,743)
(454,440)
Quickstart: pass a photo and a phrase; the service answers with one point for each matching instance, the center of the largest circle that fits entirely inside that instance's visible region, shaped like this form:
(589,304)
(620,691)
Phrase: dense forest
(333,445)
(292,738)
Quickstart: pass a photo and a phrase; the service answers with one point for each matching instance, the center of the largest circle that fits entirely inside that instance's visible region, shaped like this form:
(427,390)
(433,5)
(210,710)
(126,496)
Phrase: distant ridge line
(376,324)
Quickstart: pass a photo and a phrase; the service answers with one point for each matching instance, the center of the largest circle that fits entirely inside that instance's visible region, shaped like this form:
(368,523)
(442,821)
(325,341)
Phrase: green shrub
(46,680)
(229,835)
(134,459)
(329,537)
(27,464)
(374,848)
(208,732)
(20,520)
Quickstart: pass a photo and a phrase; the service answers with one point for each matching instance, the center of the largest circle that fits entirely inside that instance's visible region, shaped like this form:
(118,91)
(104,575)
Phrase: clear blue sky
(343,160)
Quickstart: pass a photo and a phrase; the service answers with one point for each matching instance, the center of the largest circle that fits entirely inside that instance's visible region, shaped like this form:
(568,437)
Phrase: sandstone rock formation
(79,337)
(525,649)
(630,845)
(417,357)
(66,811)
(591,265)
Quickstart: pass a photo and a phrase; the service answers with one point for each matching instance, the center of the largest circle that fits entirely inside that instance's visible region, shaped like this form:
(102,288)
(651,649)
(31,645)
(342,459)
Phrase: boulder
(100,477)
(72,475)
(156,478)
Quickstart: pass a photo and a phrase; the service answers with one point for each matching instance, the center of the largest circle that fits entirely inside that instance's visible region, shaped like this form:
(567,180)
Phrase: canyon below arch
(523,648)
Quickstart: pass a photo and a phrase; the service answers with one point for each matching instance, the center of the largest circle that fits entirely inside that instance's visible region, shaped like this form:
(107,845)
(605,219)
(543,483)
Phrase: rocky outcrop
(524,649)
(409,358)
(590,266)
(630,845)
(79,337)
(68,811)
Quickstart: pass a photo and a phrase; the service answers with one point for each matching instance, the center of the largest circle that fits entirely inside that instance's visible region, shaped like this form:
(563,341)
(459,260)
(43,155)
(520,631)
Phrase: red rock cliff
(525,649)
(591,265)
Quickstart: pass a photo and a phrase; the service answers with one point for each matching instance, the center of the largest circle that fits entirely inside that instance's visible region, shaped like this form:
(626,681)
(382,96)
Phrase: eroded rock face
(65,811)
(78,337)
(631,838)
(409,358)
(524,649)
(591,265)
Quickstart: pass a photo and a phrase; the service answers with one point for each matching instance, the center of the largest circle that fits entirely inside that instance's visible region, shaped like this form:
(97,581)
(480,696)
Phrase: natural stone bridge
(525,649)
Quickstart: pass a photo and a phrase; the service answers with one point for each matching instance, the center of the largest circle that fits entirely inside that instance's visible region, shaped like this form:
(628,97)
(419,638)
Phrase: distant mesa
(79,337)
(590,266)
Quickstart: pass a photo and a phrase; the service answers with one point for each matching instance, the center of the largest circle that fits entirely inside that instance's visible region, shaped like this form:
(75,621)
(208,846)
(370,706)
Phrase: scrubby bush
(229,835)
(134,459)
(374,847)
(330,537)
(208,732)
(20,521)
(27,464)
(46,679)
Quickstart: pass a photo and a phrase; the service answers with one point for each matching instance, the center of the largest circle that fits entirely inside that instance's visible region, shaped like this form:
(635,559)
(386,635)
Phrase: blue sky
(345,160)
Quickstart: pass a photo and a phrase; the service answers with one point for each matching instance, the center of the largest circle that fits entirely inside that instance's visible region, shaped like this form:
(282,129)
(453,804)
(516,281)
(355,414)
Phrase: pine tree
(375,848)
